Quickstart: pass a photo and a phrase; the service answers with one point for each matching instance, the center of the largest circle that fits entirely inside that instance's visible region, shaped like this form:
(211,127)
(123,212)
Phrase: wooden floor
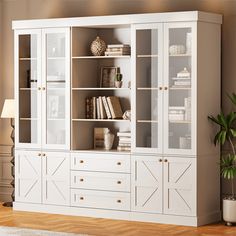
(94,226)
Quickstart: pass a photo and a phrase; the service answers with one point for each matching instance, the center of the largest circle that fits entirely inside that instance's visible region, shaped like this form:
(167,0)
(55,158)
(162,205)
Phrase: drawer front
(100,199)
(119,163)
(100,181)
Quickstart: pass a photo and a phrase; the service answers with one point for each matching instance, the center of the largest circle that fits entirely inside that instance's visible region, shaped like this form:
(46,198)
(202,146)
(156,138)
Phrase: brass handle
(160,160)
(165,88)
(39,88)
(39,154)
(81,180)
(165,160)
(119,163)
(44,154)
(43,88)
(81,198)
(118,182)
(81,161)
(119,201)
(160,88)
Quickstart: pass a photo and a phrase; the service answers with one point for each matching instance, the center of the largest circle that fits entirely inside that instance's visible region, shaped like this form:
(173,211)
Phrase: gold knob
(81,198)
(81,180)
(119,201)
(119,163)
(160,88)
(43,88)
(44,154)
(39,154)
(160,160)
(165,88)
(81,161)
(165,160)
(118,182)
(39,88)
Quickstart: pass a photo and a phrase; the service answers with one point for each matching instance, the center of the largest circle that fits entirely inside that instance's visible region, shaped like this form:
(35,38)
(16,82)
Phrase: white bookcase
(171,83)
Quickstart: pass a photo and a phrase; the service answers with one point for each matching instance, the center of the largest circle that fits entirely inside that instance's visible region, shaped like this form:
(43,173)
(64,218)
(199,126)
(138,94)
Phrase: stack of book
(124,141)
(176,113)
(117,50)
(182,80)
(103,107)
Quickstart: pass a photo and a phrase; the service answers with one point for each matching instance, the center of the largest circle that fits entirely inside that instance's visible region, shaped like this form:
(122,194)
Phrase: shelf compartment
(96,89)
(101,120)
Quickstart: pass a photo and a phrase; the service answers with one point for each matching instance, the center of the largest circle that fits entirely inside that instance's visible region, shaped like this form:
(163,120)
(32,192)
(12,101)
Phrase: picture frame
(53,106)
(108,74)
(99,137)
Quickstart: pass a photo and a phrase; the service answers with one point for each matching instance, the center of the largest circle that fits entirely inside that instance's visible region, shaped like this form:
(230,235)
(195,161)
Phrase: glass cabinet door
(148,99)
(179,86)
(28,84)
(56,92)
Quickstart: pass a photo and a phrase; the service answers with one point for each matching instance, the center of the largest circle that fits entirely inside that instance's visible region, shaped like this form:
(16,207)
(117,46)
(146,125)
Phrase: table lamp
(8,111)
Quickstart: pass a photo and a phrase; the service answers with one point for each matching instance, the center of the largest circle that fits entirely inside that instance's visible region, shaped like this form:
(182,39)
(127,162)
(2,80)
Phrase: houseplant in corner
(227,133)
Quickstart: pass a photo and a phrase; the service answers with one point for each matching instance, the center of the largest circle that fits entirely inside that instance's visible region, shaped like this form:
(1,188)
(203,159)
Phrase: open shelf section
(102,120)
(101,57)
(105,89)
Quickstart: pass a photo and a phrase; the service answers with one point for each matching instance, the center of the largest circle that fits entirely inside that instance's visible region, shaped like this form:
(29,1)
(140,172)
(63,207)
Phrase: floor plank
(104,227)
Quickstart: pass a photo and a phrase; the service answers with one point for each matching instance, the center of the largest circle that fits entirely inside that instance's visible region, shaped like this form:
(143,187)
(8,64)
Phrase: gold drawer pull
(44,154)
(119,163)
(81,161)
(43,88)
(165,160)
(160,88)
(160,160)
(81,180)
(118,201)
(39,154)
(118,182)
(81,198)
(39,88)
(165,88)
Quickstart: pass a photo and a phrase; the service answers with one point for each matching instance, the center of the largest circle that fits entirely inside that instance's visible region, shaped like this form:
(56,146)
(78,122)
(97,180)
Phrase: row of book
(117,50)
(103,107)
(124,143)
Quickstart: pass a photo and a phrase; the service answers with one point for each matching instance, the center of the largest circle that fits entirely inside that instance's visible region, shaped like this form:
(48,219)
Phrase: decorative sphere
(98,47)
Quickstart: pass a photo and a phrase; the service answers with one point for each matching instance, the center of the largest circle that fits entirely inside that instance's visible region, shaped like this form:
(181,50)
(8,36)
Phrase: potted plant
(227,133)
(118,80)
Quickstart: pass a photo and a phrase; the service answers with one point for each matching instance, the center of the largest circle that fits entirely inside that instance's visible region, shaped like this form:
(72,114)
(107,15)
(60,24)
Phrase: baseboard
(209,218)
(108,214)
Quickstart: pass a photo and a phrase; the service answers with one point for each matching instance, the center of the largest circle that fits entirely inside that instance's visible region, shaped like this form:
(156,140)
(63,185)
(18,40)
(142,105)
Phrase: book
(98,109)
(87,106)
(105,104)
(118,50)
(94,107)
(120,148)
(102,109)
(115,107)
(99,134)
(124,134)
(116,53)
(118,45)
(125,139)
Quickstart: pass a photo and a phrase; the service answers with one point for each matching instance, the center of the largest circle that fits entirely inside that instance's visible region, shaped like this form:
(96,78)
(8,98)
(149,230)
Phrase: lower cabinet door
(28,176)
(146,184)
(56,178)
(180,186)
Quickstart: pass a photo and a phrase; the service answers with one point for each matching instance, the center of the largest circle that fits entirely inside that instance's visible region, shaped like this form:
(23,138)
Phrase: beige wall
(32,9)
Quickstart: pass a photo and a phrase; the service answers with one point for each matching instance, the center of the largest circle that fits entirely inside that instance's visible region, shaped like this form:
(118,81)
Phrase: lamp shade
(8,110)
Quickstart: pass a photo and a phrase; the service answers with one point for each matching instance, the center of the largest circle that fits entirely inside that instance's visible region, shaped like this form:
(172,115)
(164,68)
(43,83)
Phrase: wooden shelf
(101,57)
(180,121)
(180,55)
(27,58)
(147,121)
(146,56)
(28,89)
(101,89)
(144,88)
(101,120)
(28,119)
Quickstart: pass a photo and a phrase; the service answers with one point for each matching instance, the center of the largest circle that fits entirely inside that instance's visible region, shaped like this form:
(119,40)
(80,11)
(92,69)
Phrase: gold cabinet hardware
(39,154)
(44,154)
(160,160)
(39,88)
(43,88)
(81,180)
(165,160)
(119,201)
(160,88)
(119,163)
(81,198)
(165,88)
(118,182)
(81,161)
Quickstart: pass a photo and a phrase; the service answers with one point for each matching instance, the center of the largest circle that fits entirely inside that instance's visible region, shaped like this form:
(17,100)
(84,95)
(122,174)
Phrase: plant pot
(118,84)
(229,211)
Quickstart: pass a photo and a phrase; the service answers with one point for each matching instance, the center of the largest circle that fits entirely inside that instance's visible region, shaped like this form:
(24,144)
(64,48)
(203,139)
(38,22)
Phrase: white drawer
(101,162)
(100,181)
(100,199)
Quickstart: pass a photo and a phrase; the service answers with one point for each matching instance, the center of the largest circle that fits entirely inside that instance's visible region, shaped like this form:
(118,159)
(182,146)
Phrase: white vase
(108,140)
(118,84)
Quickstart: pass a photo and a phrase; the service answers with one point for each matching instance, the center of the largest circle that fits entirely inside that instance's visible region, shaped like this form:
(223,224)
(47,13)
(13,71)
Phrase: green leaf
(233,132)
(223,137)
(222,119)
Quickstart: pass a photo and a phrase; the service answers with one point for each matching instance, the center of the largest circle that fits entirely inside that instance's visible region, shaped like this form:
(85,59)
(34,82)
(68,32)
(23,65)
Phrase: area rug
(13,231)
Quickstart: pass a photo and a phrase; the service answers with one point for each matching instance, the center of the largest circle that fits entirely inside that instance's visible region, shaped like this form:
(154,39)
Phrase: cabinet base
(119,215)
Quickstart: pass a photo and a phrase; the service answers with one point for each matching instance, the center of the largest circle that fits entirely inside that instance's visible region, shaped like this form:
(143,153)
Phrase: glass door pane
(55,88)
(147,88)
(180,88)
(29,82)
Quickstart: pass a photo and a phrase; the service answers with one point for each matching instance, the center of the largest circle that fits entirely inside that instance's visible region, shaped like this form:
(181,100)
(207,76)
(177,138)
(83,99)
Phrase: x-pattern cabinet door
(28,176)
(56,178)
(180,186)
(147,184)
